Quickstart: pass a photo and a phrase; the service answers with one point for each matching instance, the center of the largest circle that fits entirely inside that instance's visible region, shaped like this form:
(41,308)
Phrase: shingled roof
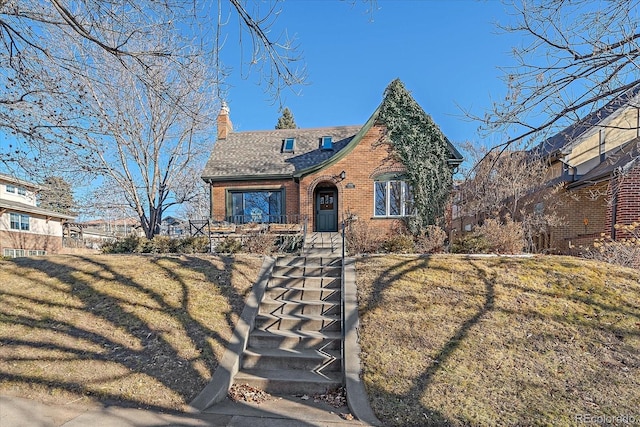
(258,154)
(573,134)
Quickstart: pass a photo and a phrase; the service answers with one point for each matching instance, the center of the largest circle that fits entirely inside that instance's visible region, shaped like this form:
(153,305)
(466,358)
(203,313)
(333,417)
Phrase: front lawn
(452,340)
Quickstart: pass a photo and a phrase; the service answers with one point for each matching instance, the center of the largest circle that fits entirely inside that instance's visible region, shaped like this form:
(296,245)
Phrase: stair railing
(342,301)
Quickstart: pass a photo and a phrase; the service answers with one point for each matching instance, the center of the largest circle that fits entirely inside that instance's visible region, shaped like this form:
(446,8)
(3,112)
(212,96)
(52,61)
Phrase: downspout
(614,204)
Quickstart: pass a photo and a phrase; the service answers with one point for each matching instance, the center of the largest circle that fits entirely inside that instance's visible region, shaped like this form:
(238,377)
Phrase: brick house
(25,228)
(318,175)
(598,161)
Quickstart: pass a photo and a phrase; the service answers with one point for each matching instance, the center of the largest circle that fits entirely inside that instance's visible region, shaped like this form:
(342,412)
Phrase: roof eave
(253,177)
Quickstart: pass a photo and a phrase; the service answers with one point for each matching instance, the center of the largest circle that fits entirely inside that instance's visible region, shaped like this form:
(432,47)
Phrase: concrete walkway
(17,412)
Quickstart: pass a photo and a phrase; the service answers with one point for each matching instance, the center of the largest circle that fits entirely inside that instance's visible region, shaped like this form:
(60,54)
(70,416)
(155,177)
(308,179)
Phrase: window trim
(9,188)
(289,145)
(405,189)
(19,222)
(326,143)
(231,191)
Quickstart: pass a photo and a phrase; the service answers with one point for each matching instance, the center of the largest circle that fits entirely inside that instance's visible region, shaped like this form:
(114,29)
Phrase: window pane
(380,198)
(395,198)
(408,200)
(22,191)
(256,206)
(11,189)
(24,222)
(15,221)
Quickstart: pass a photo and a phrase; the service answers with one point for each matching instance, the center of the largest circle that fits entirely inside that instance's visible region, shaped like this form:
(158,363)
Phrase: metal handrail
(343,318)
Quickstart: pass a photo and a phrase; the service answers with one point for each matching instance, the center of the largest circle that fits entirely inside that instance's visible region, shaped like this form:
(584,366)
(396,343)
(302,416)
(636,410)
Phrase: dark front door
(326,210)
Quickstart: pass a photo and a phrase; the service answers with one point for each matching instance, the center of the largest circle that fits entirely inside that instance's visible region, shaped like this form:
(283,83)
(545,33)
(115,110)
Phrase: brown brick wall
(366,160)
(627,201)
(578,206)
(218,199)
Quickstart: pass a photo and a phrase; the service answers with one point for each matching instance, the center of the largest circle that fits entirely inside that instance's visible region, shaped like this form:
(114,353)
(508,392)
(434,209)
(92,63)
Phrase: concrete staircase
(295,346)
(323,244)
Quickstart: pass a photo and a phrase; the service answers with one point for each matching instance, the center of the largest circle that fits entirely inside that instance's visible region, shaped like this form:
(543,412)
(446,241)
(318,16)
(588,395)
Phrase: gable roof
(571,135)
(258,154)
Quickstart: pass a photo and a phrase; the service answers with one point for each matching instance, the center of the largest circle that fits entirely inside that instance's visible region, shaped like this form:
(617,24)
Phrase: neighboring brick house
(26,229)
(598,160)
(319,175)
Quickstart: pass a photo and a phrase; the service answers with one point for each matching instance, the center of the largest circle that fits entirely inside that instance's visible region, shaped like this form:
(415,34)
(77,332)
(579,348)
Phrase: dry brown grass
(450,340)
(144,331)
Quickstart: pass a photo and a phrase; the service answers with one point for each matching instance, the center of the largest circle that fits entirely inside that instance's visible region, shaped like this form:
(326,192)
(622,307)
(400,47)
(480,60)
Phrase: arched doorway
(325,204)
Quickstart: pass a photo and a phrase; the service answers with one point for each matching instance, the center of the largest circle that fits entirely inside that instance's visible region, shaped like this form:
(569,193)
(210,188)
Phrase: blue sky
(447,53)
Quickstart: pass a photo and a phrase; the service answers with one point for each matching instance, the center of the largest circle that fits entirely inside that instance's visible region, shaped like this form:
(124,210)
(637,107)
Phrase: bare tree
(125,90)
(575,56)
(511,186)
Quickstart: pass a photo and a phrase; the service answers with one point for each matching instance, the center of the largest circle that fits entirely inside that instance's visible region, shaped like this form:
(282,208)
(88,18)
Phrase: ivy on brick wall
(423,150)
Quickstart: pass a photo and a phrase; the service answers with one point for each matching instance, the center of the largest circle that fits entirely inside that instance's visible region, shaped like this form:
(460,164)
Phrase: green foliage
(229,245)
(56,195)
(157,245)
(423,150)
(286,121)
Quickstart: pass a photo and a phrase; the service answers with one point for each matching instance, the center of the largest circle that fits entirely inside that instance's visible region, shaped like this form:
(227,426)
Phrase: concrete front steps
(323,244)
(295,345)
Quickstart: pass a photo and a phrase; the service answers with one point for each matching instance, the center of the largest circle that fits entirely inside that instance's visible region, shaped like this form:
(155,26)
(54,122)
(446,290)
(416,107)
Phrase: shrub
(494,236)
(472,243)
(503,237)
(161,245)
(625,251)
(229,245)
(129,244)
(361,238)
(399,243)
(259,243)
(192,245)
(431,240)
(157,245)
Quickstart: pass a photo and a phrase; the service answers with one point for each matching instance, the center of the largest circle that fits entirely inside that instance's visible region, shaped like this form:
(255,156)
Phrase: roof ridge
(297,129)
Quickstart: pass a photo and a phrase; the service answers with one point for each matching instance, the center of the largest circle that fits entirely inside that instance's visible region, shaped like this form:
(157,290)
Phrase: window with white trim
(393,199)
(14,253)
(19,222)
(10,188)
(289,145)
(326,144)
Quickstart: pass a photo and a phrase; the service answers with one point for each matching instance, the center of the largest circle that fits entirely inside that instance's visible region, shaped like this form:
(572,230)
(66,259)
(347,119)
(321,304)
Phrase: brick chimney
(225,127)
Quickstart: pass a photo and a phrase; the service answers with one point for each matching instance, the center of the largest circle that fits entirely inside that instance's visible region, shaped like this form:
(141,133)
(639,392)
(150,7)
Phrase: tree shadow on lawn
(150,353)
(411,399)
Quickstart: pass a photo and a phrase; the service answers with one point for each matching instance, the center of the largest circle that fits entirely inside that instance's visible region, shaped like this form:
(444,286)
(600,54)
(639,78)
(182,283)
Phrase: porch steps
(323,244)
(295,346)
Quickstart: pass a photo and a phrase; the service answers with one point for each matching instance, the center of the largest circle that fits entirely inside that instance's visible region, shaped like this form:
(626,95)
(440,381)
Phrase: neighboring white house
(26,229)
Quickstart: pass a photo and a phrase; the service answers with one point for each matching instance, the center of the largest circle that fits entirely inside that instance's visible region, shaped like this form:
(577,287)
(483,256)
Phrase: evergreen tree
(286,121)
(56,195)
